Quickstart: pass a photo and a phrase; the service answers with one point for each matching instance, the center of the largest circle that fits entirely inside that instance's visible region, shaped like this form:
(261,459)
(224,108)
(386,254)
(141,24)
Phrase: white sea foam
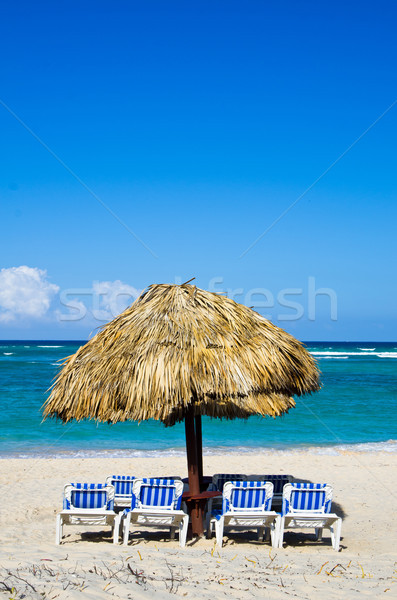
(323,353)
(389,446)
(347,354)
(50,346)
(335,449)
(92,453)
(8,353)
(371,349)
(331,450)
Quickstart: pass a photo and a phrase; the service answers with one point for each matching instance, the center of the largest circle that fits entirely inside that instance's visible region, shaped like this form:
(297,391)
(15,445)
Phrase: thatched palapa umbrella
(179,352)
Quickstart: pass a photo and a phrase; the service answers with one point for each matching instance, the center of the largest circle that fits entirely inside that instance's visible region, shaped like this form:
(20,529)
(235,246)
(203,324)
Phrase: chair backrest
(250,496)
(122,485)
(88,496)
(159,493)
(219,479)
(307,497)
(278,481)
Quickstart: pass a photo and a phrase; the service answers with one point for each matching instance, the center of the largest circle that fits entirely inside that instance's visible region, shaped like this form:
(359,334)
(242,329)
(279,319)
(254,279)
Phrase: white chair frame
(156,516)
(120,500)
(246,518)
(312,518)
(87,516)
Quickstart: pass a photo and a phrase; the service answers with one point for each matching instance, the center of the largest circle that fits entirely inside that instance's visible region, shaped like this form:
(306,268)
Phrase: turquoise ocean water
(356,409)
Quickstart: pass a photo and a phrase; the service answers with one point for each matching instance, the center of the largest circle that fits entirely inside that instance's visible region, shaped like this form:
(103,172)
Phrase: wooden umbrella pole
(191,451)
(195,504)
(199,446)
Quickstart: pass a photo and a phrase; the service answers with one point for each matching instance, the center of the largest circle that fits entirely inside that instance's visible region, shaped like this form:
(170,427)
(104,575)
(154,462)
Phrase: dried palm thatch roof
(177,345)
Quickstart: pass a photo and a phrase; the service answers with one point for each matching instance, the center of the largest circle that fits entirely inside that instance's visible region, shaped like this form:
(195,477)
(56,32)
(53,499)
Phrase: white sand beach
(87,562)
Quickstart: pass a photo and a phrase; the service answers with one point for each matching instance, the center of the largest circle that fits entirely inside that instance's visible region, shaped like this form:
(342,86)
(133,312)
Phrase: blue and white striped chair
(219,480)
(246,505)
(278,482)
(214,505)
(307,505)
(122,489)
(157,503)
(87,504)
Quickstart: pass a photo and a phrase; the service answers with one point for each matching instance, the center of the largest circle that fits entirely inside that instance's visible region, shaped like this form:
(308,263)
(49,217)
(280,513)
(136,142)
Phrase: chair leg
(335,530)
(126,528)
(219,525)
(116,529)
(172,533)
(58,529)
(183,526)
(260,533)
(281,532)
(268,533)
(274,532)
(338,534)
(319,534)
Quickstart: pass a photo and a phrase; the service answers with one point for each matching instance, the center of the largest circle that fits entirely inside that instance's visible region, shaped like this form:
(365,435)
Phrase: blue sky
(187,129)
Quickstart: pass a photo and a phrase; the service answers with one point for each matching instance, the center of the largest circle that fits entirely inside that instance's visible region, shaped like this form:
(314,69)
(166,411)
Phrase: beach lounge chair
(122,489)
(87,504)
(219,480)
(156,503)
(215,504)
(307,505)
(245,505)
(278,482)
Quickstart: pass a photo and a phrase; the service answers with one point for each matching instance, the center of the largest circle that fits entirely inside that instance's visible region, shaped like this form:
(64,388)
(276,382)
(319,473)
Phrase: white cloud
(25,292)
(97,304)
(110,298)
